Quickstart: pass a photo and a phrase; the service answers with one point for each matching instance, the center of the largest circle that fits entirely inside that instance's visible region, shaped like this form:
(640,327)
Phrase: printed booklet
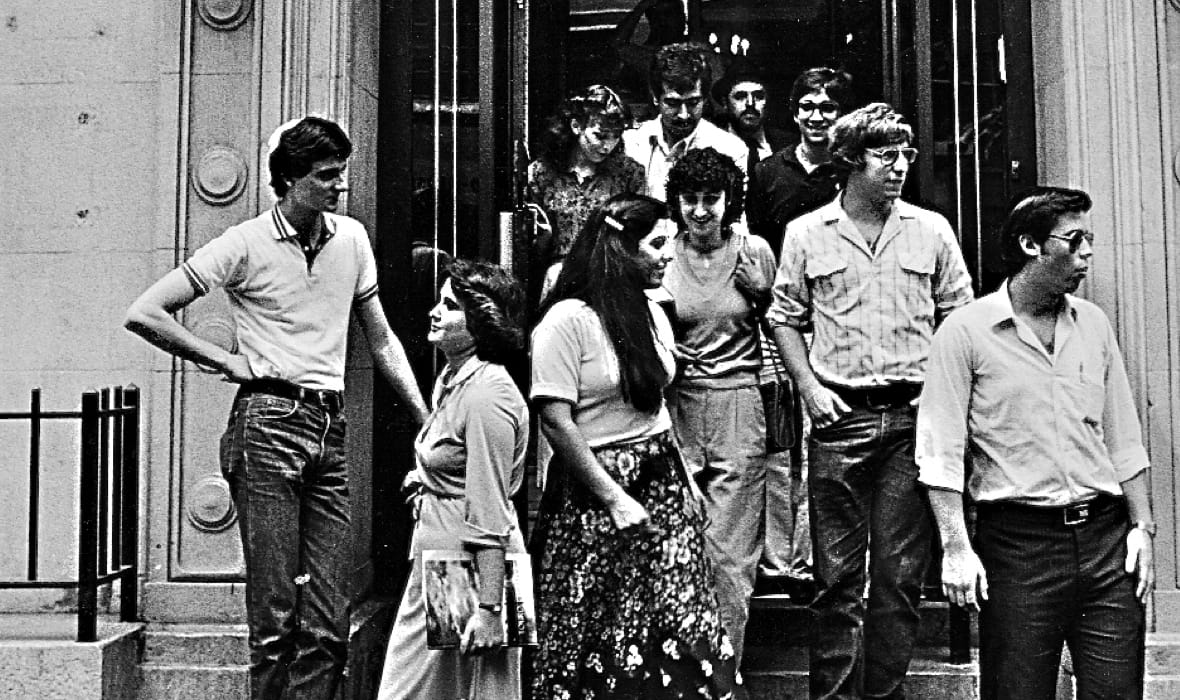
(450,585)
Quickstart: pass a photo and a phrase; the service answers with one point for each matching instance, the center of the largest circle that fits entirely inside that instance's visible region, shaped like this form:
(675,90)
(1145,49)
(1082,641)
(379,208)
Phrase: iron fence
(108,502)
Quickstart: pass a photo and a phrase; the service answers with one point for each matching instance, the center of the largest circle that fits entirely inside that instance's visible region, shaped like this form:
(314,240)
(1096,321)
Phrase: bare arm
(963,579)
(390,356)
(1140,544)
(558,423)
(151,317)
(484,630)
(824,406)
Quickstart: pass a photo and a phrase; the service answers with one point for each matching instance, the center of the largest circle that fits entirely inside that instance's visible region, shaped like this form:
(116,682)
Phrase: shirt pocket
(826,273)
(1087,391)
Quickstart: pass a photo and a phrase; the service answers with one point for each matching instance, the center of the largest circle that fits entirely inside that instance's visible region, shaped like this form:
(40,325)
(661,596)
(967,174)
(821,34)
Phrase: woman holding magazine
(470,461)
(625,598)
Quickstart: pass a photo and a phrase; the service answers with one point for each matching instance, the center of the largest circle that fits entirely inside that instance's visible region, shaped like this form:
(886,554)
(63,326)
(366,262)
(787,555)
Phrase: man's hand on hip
(824,406)
(236,369)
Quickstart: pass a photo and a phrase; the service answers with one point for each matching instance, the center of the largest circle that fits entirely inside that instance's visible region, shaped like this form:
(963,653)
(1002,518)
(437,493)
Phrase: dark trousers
(285,464)
(865,498)
(1049,584)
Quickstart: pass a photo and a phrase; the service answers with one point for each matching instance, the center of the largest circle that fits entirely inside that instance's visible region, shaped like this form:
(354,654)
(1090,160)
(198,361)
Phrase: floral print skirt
(628,615)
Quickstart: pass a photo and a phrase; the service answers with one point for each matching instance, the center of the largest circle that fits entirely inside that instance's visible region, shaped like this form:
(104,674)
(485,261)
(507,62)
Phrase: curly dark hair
(597,104)
(1035,213)
(679,66)
(493,303)
(312,139)
(601,270)
(706,170)
(872,126)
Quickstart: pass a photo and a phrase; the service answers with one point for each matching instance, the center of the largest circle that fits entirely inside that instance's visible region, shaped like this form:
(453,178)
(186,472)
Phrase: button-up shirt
(1041,428)
(782,189)
(646,145)
(873,309)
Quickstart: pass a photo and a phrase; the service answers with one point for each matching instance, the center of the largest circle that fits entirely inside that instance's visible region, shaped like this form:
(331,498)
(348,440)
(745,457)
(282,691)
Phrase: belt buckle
(1076,514)
(879,407)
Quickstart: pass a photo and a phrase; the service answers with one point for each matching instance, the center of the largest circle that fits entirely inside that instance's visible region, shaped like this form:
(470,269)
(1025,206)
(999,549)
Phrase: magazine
(450,587)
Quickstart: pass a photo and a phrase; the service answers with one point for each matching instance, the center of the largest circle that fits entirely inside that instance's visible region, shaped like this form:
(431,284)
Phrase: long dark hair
(602,271)
(493,304)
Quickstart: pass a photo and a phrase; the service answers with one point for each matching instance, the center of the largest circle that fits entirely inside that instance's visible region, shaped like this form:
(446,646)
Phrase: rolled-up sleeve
(1121,430)
(790,302)
(492,434)
(941,439)
(952,289)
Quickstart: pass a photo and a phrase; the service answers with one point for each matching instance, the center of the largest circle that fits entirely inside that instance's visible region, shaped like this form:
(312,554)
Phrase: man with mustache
(872,276)
(742,94)
(1028,382)
(294,275)
(679,79)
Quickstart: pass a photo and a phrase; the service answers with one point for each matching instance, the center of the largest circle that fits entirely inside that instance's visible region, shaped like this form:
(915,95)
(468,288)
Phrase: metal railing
(108,503)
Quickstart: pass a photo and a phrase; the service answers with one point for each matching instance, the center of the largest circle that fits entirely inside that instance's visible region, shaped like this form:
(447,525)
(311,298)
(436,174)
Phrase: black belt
(1056,517)
(325,398)
(878,398)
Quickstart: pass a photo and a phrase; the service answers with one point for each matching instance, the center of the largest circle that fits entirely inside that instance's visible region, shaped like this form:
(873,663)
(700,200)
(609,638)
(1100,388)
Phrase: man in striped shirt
(872,276)
(293,276)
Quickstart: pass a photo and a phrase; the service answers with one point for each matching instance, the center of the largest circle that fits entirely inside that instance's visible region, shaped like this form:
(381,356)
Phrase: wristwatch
(493,608)
(1146,526)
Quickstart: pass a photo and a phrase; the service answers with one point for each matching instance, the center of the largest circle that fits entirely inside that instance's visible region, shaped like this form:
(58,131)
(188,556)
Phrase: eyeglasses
(889,156)
(827,109)
(1074,238)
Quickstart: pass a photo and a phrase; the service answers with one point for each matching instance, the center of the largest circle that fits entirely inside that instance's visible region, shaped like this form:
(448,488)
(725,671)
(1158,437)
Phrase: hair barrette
(613,223)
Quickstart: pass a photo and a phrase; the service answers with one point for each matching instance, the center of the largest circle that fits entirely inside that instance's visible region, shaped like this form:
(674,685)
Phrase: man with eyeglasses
(800,176)
(1029,385)
(679,79)
(872,276)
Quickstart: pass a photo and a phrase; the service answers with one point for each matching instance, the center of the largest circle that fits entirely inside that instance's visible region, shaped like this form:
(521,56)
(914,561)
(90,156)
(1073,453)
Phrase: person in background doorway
(744,99)
(294,275)
(720,282)
(1028,384)
(470,461)
(679,79)
(873,276)
(625,599)
(580,165)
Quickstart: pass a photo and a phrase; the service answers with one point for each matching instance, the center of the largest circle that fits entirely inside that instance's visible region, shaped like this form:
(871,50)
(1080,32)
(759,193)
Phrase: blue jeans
(1049,584)
(285,464)
(865,498)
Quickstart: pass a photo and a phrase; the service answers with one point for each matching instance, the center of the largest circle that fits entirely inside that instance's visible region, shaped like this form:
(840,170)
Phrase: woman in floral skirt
(626,607)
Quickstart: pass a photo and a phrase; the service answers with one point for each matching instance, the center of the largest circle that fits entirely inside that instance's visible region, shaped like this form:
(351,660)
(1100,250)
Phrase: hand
(236,369)
(411,485)
(749,278)
(963,579)
(824,406)
(1141,562)
(628,516)
(484,632)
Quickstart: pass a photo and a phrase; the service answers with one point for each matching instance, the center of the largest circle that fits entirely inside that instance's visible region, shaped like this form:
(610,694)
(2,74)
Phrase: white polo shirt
(291,317)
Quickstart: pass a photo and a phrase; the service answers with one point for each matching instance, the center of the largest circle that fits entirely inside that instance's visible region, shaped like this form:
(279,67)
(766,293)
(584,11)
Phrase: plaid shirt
(873,311)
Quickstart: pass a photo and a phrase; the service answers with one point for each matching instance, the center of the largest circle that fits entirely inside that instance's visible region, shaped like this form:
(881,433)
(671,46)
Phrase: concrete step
(192,662)
(193,682)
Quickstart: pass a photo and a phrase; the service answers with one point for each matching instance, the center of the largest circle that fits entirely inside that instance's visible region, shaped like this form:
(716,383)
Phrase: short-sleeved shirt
(873,309)
(290,315)
(646,145)
(781,189)
(472,447)
(573,360)
(568,201)
(714,318)
(1041,429)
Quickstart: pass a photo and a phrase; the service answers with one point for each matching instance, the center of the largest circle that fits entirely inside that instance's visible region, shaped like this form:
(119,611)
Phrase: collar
(652,134)
(761,141)
(451,378)
(996,307)
(833,211)
(284,230)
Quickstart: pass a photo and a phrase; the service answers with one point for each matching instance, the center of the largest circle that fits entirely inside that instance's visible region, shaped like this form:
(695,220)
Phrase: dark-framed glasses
(889,156)
(1074,238)
(827,109)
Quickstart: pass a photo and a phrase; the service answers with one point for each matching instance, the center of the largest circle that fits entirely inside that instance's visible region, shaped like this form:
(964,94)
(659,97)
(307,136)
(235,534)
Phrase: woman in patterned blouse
(581,165)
